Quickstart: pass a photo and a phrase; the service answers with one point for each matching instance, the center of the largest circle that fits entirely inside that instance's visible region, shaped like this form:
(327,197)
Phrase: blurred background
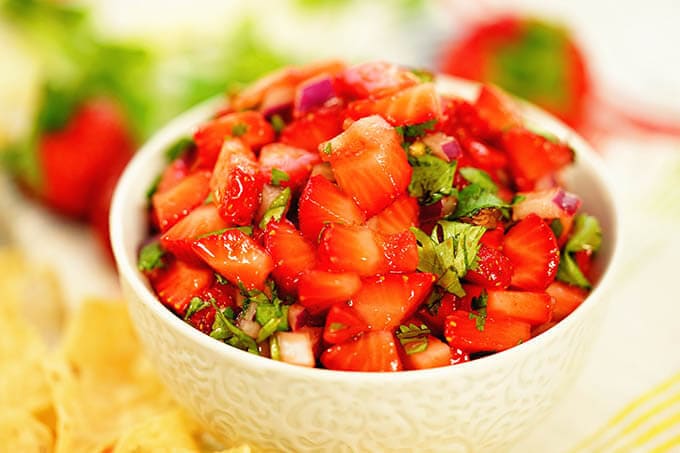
(84,83)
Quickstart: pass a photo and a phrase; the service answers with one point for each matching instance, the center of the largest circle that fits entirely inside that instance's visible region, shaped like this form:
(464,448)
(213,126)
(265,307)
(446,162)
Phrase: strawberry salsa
(354,218)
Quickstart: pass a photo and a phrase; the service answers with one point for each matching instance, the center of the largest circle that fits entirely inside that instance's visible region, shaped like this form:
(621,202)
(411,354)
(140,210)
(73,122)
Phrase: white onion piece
(324,169)
(296,348)
(269,193)
(313,93)
(297,316)
(547,204)
(250,328)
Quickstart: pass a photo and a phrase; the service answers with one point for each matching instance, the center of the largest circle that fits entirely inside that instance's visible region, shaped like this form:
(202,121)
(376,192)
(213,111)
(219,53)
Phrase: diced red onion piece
(314,93)
(296,348)
(277,100)
(430,213)
(443,146)
(452,149)
(547,204)
(568,202)
(297,316)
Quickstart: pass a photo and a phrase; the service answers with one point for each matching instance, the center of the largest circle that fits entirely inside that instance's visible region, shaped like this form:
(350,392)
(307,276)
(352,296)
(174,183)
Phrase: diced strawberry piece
(314,128)
(342,323)
(533,252)
(497,334)
(223,295)
(237,257)
(471,292)
(494,269)
(567,298)
(533,157)
(459,356)
(496,108)
(289,76)
(375,79)
(179,282)
(384,301)
(249,126)
(436,354)
(493,238)
(531,307)
(174,174)
(414,105)
(297,163)
(236,183)
(584,261)
(347,248)
(397,217)
(372,351)
(291,252)
(318,290)
(401,252)
(202,220)
(435,317)
(462,120)
(485,156)
(369,164)
(296,348)
(322,202)
(175,203)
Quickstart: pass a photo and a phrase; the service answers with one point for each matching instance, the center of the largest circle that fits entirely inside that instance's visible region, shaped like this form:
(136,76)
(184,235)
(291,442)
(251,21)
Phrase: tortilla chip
(100,340)
(22,432)
(171,431)
(32,293)
(23,384)
(241,449)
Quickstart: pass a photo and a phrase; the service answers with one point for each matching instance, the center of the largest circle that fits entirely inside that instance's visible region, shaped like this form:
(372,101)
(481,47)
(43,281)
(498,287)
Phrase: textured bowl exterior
(478,406)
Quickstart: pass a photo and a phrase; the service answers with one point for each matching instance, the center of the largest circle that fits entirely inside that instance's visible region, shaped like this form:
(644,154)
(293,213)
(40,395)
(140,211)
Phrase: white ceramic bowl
(482,405)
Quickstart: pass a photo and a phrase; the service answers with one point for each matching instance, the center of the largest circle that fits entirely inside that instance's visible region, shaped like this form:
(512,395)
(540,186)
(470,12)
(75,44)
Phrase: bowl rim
(151,151)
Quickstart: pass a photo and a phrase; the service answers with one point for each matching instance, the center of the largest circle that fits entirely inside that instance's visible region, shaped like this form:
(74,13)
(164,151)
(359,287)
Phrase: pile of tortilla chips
(87,388)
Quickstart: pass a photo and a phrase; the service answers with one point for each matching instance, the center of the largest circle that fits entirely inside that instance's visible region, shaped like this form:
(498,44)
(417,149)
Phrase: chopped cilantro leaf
(569,272)
(225,330)
(239,129)
(153,188)
(478,304)
(517,199)
(221,280)
(473,198)
(423,75)
(277,123)
(178,148)
(416,130)
(587,235)
(278,176)
(277,208)
(274,350)
(248,230)
(197,304)
(451,257)
(151,257)
(336,326)
(479,177)
(557,227)
(209,199)
(432,179)
(327,148)
(413,338)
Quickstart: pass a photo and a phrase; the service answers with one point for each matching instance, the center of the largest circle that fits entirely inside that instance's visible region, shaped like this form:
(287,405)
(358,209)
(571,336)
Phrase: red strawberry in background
(542,62)
(77,161)
(536,60)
